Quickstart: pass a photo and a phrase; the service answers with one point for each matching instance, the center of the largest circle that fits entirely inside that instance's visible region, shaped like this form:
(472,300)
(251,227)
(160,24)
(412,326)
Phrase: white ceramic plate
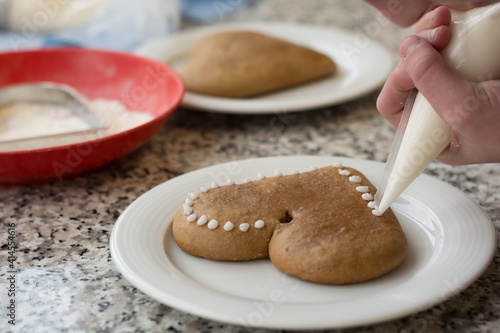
(451,242)
(363,65)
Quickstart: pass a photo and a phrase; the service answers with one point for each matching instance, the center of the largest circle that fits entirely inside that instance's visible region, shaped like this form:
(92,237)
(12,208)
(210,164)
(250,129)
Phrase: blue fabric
(208,11)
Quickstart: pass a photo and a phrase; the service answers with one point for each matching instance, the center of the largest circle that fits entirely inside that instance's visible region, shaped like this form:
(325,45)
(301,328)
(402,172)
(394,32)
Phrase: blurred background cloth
(110,24)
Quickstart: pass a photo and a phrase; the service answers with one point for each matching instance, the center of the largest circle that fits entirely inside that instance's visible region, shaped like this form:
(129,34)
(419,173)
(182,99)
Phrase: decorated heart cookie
(316,225)
(245,63)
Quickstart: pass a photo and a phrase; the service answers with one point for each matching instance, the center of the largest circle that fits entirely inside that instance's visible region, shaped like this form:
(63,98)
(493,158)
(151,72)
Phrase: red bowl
(140,84)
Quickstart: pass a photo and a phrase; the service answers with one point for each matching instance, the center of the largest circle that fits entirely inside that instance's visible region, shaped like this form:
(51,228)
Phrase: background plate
(451,242)
(362,67)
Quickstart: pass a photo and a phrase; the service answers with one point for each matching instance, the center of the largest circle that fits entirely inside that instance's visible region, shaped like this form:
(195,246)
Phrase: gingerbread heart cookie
(317,225)
(245,63)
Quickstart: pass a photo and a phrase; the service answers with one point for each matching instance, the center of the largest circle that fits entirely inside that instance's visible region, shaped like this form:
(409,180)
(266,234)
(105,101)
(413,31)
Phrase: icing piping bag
(422,135)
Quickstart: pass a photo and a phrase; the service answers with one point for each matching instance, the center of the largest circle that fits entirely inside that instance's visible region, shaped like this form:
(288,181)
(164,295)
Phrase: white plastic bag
(109,24)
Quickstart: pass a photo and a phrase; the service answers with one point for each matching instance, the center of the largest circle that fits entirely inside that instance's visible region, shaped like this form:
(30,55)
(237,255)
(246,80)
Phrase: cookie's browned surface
(317,227)
(243,64)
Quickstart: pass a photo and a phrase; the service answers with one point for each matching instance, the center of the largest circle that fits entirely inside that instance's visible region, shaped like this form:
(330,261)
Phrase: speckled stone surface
(66,280)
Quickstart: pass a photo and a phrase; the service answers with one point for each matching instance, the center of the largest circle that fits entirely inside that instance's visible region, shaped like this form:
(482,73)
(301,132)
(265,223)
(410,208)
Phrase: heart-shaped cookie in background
(244,63)
(317,225)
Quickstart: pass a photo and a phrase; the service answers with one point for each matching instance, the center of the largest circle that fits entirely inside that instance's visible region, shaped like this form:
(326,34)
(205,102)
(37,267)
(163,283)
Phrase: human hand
(407,12)
(475,136)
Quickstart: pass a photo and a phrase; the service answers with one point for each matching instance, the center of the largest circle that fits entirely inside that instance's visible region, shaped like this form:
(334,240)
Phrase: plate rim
(198,310)
(386,62)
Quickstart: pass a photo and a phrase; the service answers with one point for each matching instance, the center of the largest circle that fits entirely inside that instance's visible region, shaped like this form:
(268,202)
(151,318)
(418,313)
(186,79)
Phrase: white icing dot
(261,176)
(338,165)
(230,182)
(295,172)
(228,226)
(246,180)
(376,212)
(313,168)
(193,196)
(204,189)
(344,172)
(192,218)
(202,220)
(188,202)
(187,210)
(355,179)
(277,173)
(259,224)
(213,224)
(214,185)
(363,189)
(367,196)
(244,227)
(371,204)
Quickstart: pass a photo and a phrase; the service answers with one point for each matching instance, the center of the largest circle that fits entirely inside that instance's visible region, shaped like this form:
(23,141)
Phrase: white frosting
(188,202)
(355,179)
(193,196)
(261,176)
(23,120)
(228,226)
(246,180)
(363,189)
(230,182)
(371,204)
(192,218)
(313,168)
(344,172)
(338,165)
(260,224)
(367,196)
(213,224)
(277,173)
(214,185)
(376,212)
(202,220)
(244,227)
(204,189)
(187,210)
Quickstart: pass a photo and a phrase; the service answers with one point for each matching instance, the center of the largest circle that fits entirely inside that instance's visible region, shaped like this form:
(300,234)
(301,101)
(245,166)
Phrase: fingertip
(438,37)
(388,109)
(442,15)
(408,45)
(435,17)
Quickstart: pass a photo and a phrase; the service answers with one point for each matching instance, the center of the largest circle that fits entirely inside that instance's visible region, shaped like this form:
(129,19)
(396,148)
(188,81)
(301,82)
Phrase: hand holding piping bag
(471,106)
(458,94)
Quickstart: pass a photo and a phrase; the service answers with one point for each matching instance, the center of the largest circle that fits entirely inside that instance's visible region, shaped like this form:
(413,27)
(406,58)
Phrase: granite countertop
(65,278)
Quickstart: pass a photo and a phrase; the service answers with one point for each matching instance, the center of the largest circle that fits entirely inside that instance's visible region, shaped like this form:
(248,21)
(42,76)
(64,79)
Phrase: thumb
(447,92)
(471,109)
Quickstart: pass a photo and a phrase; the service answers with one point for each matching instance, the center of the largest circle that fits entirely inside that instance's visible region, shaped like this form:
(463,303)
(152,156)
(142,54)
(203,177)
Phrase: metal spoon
(51,93)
